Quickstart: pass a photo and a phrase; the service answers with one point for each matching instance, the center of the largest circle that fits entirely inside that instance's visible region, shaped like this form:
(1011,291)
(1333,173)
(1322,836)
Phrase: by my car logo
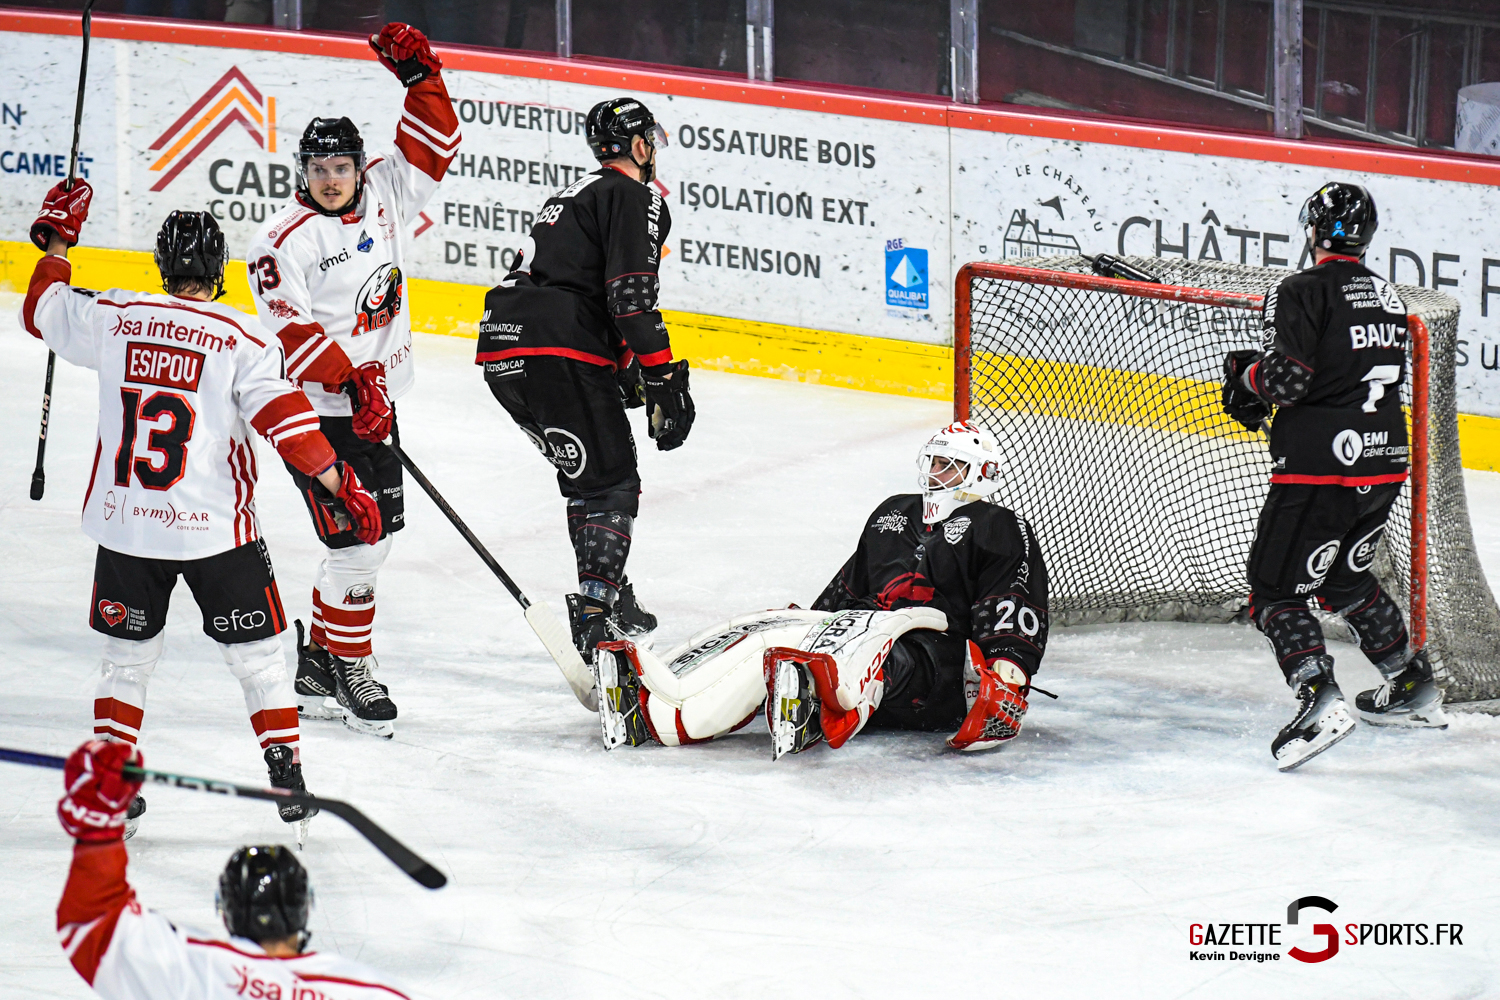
(1264,942)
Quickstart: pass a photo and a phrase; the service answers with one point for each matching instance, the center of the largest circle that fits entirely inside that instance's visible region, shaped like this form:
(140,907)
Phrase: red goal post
(1052,358)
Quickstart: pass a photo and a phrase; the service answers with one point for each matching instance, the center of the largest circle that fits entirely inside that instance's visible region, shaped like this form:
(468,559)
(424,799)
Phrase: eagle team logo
(112,612)
(379,300)
(232,100)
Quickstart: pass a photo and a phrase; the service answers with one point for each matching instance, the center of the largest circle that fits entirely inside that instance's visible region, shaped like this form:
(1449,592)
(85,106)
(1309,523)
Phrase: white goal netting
(1105,401)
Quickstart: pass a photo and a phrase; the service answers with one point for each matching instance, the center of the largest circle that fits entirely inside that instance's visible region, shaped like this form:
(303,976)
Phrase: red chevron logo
(231,100)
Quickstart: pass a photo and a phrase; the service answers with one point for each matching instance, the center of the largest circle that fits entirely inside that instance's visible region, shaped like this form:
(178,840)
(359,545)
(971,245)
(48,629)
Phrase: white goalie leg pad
(120,695)
(714,683)
(270,698)
(850,681)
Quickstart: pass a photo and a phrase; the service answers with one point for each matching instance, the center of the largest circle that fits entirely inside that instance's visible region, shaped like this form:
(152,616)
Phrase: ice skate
(589,624)
(1411,698)
(133,815)
(791,707)
(1322,715)
(317,690)
(628,618)
(287,773)
(621,719)
(366,706)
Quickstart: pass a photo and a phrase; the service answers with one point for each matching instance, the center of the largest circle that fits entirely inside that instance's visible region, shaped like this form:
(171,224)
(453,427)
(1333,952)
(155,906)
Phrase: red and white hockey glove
(372,405)
(996,703)
(404,51)
(352,504)
(63,212)
(99,794)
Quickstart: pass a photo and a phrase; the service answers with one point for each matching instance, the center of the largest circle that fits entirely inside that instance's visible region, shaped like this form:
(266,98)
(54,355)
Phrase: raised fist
(63,212)
(404,51)
(372,405)
(99,794)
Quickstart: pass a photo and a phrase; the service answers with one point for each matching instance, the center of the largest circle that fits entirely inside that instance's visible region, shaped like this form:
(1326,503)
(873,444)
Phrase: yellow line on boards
(773,350)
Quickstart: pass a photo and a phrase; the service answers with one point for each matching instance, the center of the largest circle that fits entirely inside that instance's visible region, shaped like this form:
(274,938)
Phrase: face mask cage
(938,471)
(303,159)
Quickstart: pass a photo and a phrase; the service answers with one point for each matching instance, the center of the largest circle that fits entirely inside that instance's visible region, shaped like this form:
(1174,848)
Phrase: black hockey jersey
(982,567)
(1335,341)
(586,285)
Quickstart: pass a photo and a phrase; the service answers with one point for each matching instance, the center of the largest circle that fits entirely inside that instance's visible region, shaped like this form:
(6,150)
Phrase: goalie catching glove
(99,794)
(353,503)
(669,404)
(1242,405)
(997,703)
(404,50)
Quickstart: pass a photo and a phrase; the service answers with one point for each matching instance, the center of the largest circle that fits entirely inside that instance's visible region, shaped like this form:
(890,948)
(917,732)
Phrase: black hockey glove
(669,404)
(632,389)
(1242,405)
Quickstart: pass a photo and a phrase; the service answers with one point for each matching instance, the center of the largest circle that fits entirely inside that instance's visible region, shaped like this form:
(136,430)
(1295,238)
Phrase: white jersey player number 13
(329,274)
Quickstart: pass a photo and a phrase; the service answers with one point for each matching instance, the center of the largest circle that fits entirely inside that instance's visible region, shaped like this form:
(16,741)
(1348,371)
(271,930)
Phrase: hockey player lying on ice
(936,623)
(127,952)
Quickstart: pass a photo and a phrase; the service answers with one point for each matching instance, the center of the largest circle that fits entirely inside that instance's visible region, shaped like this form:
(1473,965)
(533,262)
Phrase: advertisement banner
(845,222)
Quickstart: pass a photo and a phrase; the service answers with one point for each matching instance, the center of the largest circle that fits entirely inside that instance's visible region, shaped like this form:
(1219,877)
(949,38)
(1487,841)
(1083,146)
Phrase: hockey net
(1104,397)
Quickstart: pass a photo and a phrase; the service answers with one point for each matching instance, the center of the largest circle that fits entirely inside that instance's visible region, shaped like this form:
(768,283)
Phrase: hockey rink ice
(1070,864)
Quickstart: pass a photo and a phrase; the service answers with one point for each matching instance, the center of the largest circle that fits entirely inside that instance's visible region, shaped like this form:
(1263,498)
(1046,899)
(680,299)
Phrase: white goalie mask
(958,465)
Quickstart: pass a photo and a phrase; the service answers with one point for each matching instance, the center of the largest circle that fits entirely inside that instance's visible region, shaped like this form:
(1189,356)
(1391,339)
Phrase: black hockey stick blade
(402,856)
(1114,267)
(39,474)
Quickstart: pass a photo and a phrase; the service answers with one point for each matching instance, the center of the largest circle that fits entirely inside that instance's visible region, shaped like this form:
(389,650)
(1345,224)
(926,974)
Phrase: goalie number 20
(1028,621)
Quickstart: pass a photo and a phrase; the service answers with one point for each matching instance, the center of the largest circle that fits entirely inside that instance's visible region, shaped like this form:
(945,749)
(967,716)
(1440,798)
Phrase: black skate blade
(384,730)
(1421,719)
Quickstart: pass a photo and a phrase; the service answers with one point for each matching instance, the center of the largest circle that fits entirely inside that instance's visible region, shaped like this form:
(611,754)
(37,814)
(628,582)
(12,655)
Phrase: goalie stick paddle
(543,622)
(404,857)
(39,474)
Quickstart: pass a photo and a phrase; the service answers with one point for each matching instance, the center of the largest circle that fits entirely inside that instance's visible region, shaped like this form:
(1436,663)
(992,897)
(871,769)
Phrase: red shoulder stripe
(311,977)
(187,308)
(292,228)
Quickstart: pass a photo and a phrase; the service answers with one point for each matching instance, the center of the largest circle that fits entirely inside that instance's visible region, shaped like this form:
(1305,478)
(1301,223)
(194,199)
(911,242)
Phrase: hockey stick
(39,474)
(404,857)
(543,622)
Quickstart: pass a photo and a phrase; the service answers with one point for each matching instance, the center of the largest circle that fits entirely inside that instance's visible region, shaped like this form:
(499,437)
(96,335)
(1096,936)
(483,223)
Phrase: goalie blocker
(935,623)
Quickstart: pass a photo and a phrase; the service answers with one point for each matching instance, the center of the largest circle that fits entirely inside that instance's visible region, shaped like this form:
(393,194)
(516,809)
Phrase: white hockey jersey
(127,952)
(181,384)
(334,289)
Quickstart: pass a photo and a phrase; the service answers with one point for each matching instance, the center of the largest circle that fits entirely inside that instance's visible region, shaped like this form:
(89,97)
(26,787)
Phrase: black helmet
(326,137)
(1340,218)
(611,124)
(191,245)
(263,894)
